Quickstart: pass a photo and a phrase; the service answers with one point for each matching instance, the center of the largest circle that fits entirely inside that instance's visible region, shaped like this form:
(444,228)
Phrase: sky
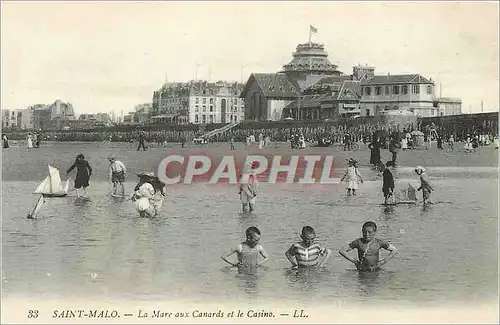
(104,56)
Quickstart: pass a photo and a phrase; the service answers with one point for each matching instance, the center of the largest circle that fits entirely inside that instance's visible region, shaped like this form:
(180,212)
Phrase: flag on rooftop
(313,29)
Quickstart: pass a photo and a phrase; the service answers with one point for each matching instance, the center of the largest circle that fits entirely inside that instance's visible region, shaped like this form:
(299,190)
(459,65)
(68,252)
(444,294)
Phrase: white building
(17,119)
(395,94)
(448,106)
(198,102)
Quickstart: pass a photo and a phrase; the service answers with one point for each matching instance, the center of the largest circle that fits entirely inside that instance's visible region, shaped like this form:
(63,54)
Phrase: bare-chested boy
(368,249)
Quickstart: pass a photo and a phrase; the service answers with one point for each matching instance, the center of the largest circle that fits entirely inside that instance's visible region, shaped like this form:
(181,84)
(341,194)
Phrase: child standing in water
(232,143)
(149,194)
(368,248)
(307,253)
(248,190)
(387,183)
(117,173)
(248,251)
(83,173)
(425,186)
(353,177)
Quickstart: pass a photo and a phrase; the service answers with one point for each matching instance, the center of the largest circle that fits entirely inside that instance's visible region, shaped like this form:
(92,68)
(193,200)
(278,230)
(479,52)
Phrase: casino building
(310,87)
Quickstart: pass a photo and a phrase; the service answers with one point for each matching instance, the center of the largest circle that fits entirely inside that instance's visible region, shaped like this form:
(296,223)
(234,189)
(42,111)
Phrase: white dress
(148,200)
(404,144)
(352,178)
(302,142)
(143,196)
(30,142)
(468,144)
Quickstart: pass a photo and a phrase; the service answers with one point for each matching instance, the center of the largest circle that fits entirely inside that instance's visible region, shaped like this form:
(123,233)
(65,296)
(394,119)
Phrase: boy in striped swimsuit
(307,253)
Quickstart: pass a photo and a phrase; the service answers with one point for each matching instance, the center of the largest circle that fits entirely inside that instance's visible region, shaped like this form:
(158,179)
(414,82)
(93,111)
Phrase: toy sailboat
(50,187)
(404,196)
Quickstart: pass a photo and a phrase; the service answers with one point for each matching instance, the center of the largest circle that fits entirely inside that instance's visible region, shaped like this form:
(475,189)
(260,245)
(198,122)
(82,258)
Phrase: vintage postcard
(249,162)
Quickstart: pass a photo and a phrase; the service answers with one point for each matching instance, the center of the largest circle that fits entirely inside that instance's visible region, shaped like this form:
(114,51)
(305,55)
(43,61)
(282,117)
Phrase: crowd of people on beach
(405,137)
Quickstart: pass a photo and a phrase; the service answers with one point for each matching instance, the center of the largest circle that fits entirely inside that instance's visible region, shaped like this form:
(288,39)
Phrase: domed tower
(309,65)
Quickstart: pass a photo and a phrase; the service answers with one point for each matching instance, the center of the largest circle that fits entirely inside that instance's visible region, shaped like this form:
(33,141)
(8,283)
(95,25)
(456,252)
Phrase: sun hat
(420,168)
(146,174)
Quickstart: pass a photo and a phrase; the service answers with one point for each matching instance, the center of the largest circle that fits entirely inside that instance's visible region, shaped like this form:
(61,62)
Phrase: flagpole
(310,32)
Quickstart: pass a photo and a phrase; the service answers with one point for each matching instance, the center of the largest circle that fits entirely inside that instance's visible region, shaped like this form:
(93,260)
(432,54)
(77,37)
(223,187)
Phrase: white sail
(44,186)
(52,184)
(66,186)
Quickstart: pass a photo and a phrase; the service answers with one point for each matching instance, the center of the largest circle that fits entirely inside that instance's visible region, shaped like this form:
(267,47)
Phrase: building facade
(330,98)
(61,110)
(310,87)
(309,65)
(267,94)
(142,112)
(397,94)
(447,106)
(270,96)
(19,119)
(10,119)
(198,102)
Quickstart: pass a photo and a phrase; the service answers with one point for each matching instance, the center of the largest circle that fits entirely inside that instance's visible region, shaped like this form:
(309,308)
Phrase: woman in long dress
(83,173)
(29,139)
(261,141)
(5,141)
(374,147)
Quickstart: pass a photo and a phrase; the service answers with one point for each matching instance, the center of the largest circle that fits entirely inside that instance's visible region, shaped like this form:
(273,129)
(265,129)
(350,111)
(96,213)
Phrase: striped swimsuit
(307,256)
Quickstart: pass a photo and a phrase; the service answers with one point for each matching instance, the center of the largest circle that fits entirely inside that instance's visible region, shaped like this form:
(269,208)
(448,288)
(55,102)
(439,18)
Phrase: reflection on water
(447,252)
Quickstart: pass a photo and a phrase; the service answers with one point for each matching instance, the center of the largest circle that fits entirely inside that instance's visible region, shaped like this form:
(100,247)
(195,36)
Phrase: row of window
(211,100)
(6,114)
(211,118)
(211,108)
(394,89)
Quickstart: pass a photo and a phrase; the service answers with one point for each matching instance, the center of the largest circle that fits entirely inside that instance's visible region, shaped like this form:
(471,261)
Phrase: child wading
(353,177)
(149,194)
(425,186)
(248,190)
(368,249)
(83,173)
(307,253)
(248,251)
(387,183)
(117,172)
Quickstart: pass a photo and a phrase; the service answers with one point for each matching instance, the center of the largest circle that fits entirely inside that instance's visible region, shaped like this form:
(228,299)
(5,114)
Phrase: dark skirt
(81,182)
(375,156)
